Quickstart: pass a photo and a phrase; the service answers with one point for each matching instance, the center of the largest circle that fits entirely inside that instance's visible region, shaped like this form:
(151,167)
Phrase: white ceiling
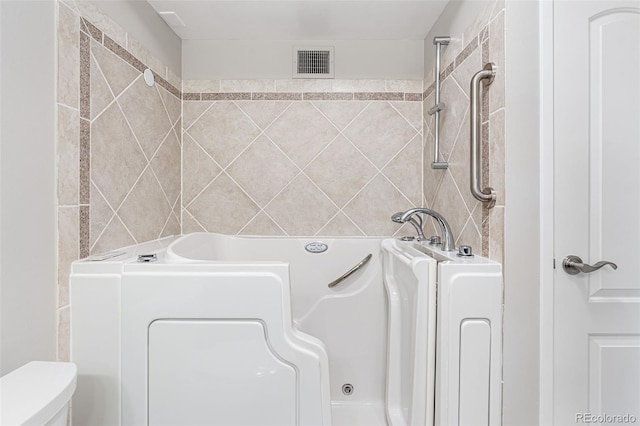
(302,19)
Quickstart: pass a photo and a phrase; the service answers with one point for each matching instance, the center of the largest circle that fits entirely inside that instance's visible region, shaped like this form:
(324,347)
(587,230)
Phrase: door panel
(614,118)
(597,208)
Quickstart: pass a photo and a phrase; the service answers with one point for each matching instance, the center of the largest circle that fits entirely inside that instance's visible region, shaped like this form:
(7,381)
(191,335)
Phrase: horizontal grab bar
(351,271)
(486,195)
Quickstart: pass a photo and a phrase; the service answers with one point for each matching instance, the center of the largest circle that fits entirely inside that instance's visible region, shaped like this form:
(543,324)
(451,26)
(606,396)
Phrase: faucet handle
(434,240)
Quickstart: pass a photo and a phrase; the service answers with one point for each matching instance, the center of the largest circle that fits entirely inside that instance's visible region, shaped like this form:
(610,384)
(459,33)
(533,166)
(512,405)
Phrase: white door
(597,211)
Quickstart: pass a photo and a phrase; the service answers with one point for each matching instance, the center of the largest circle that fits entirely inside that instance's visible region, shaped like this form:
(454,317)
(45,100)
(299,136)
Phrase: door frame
(547,254)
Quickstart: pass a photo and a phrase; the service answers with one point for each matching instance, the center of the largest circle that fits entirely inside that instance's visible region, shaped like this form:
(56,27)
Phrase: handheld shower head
(415,221)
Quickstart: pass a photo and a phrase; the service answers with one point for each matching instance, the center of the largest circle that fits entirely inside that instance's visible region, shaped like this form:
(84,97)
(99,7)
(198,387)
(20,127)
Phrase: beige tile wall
(447,191)
(331,160)
(260,157)
(118,145)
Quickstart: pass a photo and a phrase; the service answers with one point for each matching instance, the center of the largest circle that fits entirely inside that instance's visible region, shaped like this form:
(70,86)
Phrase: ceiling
(300,19)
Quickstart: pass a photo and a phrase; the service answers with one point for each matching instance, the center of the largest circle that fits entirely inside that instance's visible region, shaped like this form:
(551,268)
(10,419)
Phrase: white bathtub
(142,334)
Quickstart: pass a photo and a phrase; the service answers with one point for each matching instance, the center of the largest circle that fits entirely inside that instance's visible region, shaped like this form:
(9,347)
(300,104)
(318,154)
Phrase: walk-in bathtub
(226,330)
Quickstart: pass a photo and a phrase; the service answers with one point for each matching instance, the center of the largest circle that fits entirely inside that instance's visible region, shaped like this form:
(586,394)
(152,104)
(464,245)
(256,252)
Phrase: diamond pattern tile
(301,132)
(171,104)
(341,113)
(172,227)
(118,73)
(135,156)
(340,171)
(191,112)
(114,236)
(166,166)
(144,110)
(116,158)
(189,224)
(372,208)
(146,192)
(241,165)
(262,170)
(301,209)
(262,225)
(340,226)
(198,169)
(263,113)
(101,95)
(224,131)
(101,214)
(449,203)
(223,207)
(405,170)
(411,111)
(380,132)
(459,163)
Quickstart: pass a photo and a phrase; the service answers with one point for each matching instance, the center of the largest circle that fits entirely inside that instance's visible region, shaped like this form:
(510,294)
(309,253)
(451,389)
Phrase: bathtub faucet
(416,222)
(448,243)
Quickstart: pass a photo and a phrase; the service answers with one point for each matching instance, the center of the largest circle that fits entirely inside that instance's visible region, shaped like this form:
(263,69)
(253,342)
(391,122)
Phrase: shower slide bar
(439,106)
(486,195)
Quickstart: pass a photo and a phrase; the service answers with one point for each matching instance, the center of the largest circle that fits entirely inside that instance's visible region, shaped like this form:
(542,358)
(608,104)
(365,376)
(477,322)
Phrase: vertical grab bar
(486,195)
(439,106)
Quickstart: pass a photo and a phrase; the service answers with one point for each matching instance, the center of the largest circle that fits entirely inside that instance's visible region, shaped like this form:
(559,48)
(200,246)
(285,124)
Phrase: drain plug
(347,389)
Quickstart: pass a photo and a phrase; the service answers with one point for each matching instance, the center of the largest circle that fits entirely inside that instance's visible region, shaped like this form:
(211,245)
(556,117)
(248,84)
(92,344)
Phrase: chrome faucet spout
(417,224)
(448,243)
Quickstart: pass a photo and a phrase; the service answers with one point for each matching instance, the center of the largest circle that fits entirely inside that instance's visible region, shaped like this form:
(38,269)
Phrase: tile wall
(300,158)
(118,146)
(447,191)
(260,157)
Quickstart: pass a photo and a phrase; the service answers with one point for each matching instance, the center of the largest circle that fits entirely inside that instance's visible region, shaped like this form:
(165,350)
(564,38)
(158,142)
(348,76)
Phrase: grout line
(194,219)
(405,118)
(199,116)
(455,140)
(114,100)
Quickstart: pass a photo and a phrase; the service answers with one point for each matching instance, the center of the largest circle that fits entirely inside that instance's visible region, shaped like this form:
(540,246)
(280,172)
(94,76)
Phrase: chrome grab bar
(351,271)
(486,195)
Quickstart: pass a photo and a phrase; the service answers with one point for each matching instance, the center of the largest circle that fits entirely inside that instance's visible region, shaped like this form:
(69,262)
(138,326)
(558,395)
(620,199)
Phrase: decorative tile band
(322,96)
(85,67)
(304,96)
(83,236)
(91,29)
(88,29)
(85,161)
(240,96)
(123,54)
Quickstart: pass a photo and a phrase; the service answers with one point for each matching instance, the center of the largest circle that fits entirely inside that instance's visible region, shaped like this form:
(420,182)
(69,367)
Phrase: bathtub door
(597,212)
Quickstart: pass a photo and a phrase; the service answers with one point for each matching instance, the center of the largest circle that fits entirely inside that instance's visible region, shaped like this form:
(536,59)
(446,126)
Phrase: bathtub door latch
(351,271)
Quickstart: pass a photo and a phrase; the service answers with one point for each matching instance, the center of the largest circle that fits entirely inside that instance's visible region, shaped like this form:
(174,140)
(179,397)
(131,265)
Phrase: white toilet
(38,393)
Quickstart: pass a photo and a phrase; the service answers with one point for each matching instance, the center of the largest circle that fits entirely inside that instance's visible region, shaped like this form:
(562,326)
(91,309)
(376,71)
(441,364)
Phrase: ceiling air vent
(313,62)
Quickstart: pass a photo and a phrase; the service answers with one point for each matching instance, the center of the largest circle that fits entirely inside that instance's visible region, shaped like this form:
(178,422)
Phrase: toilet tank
(37,393)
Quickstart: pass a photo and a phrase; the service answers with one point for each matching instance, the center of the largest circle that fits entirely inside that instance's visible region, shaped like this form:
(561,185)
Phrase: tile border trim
(303,96)
(87,29)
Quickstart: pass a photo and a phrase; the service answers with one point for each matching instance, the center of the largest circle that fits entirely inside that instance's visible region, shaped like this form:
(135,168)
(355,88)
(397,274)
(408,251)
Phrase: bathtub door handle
(351,271)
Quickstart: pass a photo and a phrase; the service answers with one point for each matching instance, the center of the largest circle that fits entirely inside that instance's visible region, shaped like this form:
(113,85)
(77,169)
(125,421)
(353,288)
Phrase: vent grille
(313,62)
(316,62)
